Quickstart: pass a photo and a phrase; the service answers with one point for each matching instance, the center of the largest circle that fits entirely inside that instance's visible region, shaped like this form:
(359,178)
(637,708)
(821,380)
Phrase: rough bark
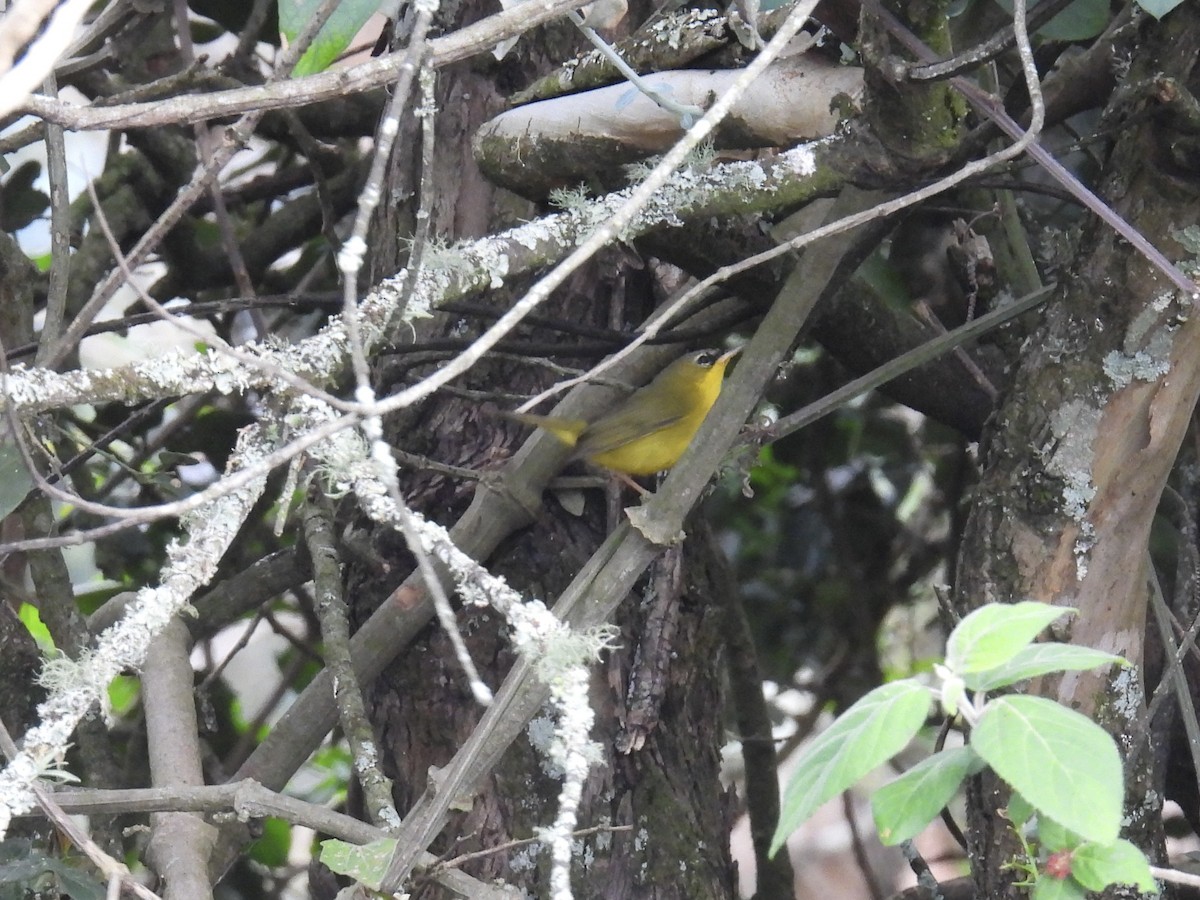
(1082,445)
(421,707)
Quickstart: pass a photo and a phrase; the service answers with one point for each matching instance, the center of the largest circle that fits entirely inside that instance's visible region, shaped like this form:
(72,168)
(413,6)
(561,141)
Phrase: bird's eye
(705,358)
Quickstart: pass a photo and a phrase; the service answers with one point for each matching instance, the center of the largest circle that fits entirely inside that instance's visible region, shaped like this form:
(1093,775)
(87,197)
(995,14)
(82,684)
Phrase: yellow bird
(648,431)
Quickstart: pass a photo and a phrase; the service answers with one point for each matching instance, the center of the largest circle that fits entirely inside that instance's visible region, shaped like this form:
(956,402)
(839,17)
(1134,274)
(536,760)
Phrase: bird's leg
(615,504)
(621,476)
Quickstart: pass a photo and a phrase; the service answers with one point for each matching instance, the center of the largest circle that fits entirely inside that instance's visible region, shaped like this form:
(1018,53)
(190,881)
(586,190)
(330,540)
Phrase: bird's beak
(728,355)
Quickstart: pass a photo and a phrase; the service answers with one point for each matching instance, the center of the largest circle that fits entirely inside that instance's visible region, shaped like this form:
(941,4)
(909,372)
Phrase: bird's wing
(617,430)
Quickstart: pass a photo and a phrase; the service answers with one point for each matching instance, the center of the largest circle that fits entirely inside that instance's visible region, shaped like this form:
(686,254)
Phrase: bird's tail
(566,430)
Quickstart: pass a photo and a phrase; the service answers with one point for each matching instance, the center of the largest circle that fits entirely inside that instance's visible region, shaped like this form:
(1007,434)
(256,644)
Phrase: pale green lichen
(1069,456)
(1189,239)
(569,198)
(1123,370)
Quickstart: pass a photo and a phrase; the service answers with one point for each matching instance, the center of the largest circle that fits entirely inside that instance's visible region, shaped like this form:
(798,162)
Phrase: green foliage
(1073,866)
(1035,660)
(15,482)
(824,521)
(331,769)
(992,635)
(1019,811)
(1080,21)
(1158,8)
(1062,766)
(25,871)
(32,620)
(124,691)
(89,598)
(1086,19)
(904,807)
(867,735)
(1096,866)
(1065,764)
(271,849)
(1052,835)
(366,863)
(334,37)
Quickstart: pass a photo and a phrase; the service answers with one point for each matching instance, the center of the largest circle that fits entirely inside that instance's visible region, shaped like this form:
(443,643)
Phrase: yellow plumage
(648,431)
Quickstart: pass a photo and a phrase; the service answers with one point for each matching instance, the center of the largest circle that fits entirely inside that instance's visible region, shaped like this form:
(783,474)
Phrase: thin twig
(612,228)
(248,799)
(427,196)
(106,864)
(687,114)
(879,211)
(989,106)
(893,368)
(334,615)
(859,849)
(457,862)
(55,24)
(464,43)
(234,138)
(1175,876)
(144,514)
(60,233)
(926,880)
(1174,673)
(352,252)
(204,143)
(987,50)
(230,483)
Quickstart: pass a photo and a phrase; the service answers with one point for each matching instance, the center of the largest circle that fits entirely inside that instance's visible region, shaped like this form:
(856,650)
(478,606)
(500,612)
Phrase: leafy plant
(1061,765)
(25,871)
(334,37)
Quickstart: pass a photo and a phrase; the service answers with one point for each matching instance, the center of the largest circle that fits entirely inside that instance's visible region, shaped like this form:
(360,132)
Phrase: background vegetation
(258,311)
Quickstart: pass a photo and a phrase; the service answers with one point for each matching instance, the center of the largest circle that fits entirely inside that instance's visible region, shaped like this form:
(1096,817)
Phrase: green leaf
(993,634)
(1038,659)
(274,843)
(335,35)
(909,803)
(366,863)
(1097,866)
(32,620)
(1019,811)
(15,482)
(123,693)
(77,883)
(1158,8)
(866,735)
(1062,762)
(1054,837)
(1080,21)
(1058,889)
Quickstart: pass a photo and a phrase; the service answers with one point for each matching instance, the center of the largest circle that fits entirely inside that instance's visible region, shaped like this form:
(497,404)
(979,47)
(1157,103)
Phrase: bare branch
(462,44)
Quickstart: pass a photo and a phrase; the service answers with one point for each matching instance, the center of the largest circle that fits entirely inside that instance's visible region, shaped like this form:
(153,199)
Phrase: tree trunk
(1080,449)
(421,705)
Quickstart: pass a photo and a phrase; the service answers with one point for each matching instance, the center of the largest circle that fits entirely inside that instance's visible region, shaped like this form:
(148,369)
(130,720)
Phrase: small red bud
(1059,864)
